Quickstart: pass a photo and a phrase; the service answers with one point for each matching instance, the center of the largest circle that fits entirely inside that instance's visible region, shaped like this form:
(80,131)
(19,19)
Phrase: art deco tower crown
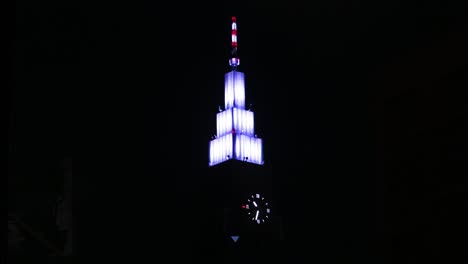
(235,136)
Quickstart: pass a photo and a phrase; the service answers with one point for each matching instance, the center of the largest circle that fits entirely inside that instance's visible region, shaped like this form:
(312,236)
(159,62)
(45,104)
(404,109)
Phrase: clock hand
(256,215)
(254,203)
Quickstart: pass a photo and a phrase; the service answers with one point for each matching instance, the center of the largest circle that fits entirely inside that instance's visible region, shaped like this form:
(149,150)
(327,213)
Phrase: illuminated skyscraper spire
(235,135)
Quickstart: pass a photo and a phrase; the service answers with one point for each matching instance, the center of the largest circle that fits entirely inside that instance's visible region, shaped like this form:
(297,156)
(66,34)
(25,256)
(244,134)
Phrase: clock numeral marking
(257,195)
(258,221)
(268,210)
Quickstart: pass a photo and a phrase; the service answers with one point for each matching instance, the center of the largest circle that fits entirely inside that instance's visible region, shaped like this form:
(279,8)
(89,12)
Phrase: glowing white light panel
(234,90)
(243,121)
(250,148)
(224,122)
(220,149)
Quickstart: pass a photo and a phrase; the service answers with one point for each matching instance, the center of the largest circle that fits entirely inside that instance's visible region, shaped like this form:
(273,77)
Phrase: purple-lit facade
(235,134)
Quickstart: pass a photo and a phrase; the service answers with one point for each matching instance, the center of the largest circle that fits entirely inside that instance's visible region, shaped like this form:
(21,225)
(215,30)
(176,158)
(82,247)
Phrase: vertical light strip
(219,123)
(235,118)
(234,90)
(243,121)
(228,90)
(239,90)
(220,149)
(250,148)
(224,122)
(251,123)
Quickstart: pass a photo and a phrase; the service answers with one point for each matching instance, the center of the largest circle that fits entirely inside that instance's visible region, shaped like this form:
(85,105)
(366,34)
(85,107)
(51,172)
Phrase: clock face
(257,208)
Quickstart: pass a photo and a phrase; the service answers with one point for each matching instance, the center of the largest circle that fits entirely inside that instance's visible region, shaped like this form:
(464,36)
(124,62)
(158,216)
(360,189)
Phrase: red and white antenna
(234,60)
(234,33)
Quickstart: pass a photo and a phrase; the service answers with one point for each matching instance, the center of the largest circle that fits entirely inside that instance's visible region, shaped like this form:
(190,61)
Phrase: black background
(359,103)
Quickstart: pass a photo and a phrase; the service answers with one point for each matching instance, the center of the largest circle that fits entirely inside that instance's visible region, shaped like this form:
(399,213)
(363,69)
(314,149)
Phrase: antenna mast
(234,60)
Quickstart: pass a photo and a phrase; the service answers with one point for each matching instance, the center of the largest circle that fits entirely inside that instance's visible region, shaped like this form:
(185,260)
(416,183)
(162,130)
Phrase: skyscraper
(237,162)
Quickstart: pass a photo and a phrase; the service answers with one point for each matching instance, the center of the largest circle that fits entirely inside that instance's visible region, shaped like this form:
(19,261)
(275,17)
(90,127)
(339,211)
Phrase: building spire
(235,134)
(234,60)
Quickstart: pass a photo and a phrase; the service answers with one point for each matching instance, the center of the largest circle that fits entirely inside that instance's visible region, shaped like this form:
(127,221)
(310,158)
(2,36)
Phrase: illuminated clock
(257,208)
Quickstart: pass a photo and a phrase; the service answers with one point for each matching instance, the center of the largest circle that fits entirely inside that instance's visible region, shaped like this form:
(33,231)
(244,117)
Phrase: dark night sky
(358,103)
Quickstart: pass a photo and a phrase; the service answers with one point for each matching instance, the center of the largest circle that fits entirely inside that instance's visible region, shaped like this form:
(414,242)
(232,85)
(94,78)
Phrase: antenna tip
(233,18)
